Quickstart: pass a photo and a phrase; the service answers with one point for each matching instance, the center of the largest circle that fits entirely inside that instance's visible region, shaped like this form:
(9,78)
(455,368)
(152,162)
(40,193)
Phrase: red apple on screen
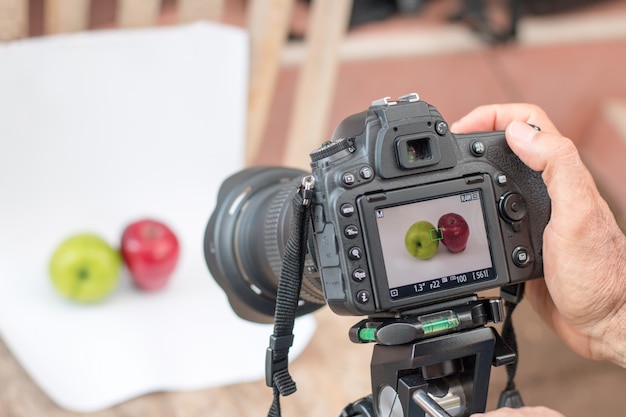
(150,250)
(454,232)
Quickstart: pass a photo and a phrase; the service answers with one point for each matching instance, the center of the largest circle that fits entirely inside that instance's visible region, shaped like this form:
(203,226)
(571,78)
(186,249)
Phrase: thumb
(577,209)
(556,156)
(571,187)
(583,249)
(541,151)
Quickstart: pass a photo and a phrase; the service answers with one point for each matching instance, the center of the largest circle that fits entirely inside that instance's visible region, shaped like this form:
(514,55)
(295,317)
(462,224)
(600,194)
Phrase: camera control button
(346,210)
(366,173)
(513,207)
(477,148)
(363,297)
(355,253)
(521,257)
(441,128)
(351,231)
(331,148)
(501,178)
(348,179)
(359,275)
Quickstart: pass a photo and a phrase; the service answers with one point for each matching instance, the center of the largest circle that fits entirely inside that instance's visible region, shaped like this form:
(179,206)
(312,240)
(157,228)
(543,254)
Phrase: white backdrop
(96,130)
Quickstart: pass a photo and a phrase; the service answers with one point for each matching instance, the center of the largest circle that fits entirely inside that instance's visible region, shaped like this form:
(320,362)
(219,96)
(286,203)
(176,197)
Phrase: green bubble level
(368,334)
(439,325)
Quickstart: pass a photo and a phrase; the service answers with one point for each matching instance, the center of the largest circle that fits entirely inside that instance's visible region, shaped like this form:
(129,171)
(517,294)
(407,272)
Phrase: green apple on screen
(421,240)
(85,268)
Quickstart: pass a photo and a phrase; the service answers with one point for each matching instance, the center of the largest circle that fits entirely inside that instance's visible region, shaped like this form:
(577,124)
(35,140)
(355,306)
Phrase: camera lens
(245,242)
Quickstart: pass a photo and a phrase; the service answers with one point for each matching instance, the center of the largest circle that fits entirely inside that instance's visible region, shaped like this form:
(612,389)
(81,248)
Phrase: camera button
(348,178)
(441,128)
(346,210)
(351,231)
(521,257)
(359,275)
(513,207)
(355,253)
(501,178)
(477,148)
(366,173)
(363,297)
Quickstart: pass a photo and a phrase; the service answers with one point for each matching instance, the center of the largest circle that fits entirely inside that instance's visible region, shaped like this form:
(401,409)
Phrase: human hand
(521,412)
(583,296)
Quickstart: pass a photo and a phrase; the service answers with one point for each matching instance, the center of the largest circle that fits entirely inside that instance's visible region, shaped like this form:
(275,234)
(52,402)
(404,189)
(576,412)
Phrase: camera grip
(532,188)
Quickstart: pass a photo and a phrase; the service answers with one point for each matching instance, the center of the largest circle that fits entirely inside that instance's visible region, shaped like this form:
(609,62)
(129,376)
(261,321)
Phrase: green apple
(422,240)
(85,268)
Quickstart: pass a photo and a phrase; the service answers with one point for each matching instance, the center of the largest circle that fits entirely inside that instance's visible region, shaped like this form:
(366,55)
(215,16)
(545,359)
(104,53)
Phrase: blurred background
(568,56)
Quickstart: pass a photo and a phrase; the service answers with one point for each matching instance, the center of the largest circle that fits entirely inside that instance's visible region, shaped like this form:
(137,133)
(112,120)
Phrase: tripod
(432,362)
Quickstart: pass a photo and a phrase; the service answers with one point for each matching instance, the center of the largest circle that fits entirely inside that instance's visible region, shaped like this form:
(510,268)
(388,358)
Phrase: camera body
(406,213)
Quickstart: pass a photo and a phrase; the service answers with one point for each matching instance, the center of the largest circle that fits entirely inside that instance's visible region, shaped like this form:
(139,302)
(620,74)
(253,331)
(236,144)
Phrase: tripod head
(435,361)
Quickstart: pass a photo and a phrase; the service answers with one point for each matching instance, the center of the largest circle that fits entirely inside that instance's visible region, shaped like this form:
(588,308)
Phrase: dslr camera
(401,221)
(404,214)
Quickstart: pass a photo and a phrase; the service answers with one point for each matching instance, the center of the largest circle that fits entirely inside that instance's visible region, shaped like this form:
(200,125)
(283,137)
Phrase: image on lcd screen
(434,244)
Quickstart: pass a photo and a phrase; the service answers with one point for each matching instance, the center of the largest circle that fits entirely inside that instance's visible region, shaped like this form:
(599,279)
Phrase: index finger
(498,116)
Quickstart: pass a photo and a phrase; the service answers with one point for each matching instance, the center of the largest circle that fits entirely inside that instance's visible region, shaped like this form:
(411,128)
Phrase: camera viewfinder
(416,152)
(419,150)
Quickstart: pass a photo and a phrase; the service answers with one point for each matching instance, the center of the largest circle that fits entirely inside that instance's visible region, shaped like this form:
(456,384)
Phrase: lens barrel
(245,241)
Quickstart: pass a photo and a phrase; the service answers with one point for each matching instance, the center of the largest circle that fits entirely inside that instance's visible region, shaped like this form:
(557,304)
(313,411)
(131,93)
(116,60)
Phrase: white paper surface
(97,130)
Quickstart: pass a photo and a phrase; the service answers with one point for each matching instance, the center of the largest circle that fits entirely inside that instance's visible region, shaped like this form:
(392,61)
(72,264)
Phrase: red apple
(454,232)
(150,250)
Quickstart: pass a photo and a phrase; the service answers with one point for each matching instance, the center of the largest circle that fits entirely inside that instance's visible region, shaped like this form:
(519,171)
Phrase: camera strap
(288,293)
(510,396)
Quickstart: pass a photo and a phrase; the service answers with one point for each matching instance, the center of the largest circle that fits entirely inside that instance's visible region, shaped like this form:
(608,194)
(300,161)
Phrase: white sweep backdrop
(96,130)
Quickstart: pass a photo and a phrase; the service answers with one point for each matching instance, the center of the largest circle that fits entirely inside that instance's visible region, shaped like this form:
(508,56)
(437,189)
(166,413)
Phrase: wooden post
(268,25)
(63,16)
(192,10)
(137,13)
(13,19)
(314,91)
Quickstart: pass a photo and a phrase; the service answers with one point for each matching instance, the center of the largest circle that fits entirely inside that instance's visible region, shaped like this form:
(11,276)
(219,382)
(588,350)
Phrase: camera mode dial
(331,148)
